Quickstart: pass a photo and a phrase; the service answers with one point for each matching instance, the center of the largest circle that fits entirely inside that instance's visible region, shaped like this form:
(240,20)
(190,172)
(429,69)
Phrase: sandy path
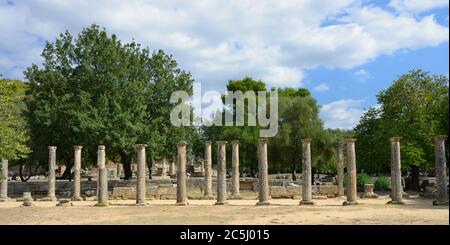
(283,211)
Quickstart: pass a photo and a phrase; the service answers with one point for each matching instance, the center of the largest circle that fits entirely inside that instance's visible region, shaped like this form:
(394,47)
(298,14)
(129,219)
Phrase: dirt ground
(282,211)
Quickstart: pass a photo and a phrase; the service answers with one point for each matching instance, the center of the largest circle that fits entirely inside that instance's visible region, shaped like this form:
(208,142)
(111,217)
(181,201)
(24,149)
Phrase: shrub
(362,179)
(383,183)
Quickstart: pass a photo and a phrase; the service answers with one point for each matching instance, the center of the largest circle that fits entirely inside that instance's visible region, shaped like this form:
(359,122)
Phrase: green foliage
(383,183)
(13,128)
(94,90)
(414,107)
(298,118)
(362,179)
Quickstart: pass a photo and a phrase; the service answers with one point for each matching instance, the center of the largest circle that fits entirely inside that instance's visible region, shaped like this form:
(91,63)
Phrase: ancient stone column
(208,172)
(340,170)
(141,175)
(4,181)
(235,170)
(102,198)
(119,170)
(181,174)
(51,174)
(172,168)
(306,173)
(263,176)
(441,172)
(351,169)
(396,172)
(163,168)
(221,173)
(76,174)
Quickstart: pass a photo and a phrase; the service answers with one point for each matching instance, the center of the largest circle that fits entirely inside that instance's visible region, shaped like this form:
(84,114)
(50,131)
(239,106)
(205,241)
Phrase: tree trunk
(414,178)
(67,174)
(22,178)
(294,175)
(126,162)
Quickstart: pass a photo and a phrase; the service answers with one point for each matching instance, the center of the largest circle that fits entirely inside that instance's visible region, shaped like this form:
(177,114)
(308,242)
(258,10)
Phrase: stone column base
(302,202)
(207,198)
(5,199)
(221,203)
(48,199)
(186,203)
(27,204)
(142,204)
(235,197)
(395,202)
(264,203)
(348,203)
(440,203)
(76,199)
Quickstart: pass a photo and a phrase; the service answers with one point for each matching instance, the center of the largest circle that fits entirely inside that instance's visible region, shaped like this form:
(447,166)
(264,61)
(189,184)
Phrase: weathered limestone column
(172,168)
(441,172)
(351,188)
(396,172)
(77,174)
(235,170)
(181,175)
(221,173)
(163,168)
(4,181)
(340,170)
(119,170)
(51,174)
(102,199)
(208,172)
(263,176)
(141,175)
(306,173)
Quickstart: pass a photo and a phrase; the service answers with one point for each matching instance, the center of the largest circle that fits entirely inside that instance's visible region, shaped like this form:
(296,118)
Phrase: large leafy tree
(13,128)
(414,107)
(299,119)
(94,90)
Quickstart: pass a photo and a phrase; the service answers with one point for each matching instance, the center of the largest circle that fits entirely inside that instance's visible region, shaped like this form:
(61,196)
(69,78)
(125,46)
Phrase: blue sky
(344,51)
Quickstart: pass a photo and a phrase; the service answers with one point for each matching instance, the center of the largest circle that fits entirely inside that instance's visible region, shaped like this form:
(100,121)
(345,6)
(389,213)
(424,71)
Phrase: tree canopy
(94,90)
(13,128)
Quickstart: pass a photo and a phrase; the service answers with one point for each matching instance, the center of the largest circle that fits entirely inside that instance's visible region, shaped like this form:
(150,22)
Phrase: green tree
(414,107)
(13,128)
(94,90)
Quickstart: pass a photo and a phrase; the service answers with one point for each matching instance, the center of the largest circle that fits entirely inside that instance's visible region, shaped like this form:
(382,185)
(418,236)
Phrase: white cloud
(362,74)
(343,114)
(322,87)
(278,41)
(417,6)
(283,76)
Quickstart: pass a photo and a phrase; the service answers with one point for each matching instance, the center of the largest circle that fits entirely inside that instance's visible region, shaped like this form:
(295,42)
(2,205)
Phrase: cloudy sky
(343,51)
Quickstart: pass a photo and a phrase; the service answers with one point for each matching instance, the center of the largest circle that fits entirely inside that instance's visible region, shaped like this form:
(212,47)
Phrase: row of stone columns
(102,182)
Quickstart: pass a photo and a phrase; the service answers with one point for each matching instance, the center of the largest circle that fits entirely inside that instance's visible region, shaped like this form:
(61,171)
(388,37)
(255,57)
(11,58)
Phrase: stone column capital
(208,142)
(182,143)
(306,140)
(350,140)
(52,148)
(140,146)
(77,147)
(235,142)
(101,147)
(440,137)
(221,142)
(394,139)
(263,140)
